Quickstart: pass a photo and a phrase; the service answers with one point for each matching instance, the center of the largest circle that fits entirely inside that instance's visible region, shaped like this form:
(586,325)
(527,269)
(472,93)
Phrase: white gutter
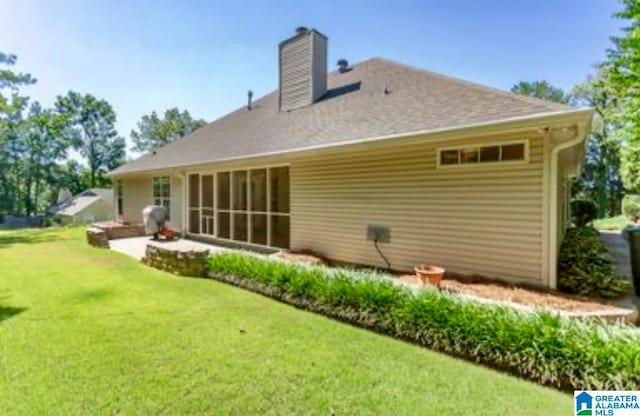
(185,206)
(553,206)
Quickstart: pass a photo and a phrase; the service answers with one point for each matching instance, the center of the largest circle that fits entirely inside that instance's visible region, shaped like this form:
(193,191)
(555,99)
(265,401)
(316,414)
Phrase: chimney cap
(302,29)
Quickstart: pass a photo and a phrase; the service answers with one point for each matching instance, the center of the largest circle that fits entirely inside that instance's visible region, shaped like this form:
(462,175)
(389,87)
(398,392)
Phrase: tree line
(71,145)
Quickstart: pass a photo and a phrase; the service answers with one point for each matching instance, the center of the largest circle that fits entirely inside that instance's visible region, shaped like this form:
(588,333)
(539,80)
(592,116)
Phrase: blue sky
(204,55)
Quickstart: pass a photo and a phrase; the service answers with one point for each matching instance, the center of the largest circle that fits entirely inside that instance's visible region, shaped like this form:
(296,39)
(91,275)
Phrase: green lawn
(88,331)
(611,223)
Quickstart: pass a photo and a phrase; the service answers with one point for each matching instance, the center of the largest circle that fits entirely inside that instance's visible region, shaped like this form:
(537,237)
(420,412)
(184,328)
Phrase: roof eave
(578,115)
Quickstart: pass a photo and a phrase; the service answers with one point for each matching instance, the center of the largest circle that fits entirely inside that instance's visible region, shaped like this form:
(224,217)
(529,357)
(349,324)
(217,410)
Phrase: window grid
(162,193)
(269,213)
(473,155)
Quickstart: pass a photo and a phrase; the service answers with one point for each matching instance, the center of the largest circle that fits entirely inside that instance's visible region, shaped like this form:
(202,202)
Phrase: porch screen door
(207,218)
(194,204)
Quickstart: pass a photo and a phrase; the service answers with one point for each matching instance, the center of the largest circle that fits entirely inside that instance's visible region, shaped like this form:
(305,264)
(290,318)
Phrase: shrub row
(585,268)
(540,346)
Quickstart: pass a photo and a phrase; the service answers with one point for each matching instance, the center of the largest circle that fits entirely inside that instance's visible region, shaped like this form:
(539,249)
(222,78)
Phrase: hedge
(585,267)
(541,346)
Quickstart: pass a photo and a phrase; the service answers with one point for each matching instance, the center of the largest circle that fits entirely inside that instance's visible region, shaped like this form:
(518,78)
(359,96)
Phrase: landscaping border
(555,361)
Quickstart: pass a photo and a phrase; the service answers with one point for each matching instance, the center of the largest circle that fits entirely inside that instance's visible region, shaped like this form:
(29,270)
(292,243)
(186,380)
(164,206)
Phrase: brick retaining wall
(115,230)
(97,237)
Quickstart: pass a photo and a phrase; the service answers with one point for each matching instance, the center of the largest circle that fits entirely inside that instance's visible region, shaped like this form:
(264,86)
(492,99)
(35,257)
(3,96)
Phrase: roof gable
(81,201)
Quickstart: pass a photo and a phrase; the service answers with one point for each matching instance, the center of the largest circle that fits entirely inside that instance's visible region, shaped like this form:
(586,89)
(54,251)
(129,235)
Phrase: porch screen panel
(240,205)
(258,205)
(250,205)
(194,204)
(224,204)
(207,205)
(259,190)
(279,207)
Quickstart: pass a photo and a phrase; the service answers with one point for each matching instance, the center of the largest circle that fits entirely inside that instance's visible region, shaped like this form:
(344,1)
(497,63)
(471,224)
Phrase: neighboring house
(457,174)
(89,206)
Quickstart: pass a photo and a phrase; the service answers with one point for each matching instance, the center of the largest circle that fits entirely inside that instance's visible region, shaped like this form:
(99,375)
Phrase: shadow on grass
(28,237)
(7,312)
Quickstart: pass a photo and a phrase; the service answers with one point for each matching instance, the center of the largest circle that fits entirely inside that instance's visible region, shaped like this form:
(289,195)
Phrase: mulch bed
(534,298)
(493,290)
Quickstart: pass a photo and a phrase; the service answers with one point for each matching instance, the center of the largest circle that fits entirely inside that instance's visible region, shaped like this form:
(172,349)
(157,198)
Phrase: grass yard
(88,331)
(611,223)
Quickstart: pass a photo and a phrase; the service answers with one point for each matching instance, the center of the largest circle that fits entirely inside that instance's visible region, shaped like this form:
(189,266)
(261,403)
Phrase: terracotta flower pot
(168,234)
(430,274)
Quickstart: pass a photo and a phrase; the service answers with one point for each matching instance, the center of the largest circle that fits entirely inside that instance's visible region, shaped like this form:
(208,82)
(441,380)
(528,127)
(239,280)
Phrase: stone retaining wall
(97,237)
(182,263)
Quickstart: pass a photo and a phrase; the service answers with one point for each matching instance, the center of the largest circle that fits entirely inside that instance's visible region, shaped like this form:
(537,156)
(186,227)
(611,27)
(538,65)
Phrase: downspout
(553,205)
(183,177)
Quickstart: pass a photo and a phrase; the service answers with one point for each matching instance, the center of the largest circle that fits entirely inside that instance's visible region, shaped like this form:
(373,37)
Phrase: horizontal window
(493,153)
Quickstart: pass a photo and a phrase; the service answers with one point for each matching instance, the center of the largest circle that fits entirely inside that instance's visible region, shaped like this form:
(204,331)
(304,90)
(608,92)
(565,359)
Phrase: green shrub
(585,268)
(583,211)
(541,346)
(631,206)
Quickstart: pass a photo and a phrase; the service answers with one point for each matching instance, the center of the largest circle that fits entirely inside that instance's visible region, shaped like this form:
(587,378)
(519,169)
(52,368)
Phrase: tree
(95,137)
(600,180)
(12,106)
(45,141)
(540,89)
(154,132)
(623,59)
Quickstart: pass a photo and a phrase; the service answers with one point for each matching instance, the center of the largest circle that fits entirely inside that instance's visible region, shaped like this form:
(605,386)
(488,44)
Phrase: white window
(492,153)
(162,193)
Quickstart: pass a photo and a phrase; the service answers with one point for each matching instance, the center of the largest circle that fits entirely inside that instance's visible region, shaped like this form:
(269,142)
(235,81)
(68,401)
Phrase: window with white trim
(493,153)
(162,193)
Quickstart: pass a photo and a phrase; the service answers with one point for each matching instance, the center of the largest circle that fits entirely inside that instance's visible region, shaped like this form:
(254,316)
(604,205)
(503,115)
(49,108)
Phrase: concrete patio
(136,246)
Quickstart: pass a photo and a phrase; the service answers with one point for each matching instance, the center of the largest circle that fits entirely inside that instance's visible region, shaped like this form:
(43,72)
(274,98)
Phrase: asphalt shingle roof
(355,107)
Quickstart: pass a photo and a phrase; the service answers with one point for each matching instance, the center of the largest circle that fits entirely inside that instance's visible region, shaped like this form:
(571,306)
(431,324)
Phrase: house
(88,206)
(584,403)
(435,169)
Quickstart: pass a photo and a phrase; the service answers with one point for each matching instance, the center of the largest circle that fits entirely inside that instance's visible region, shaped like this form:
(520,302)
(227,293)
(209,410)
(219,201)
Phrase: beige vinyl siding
(177,189)
(482,219)
(137,194)
(471,219)
(295,74)
(319,67)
